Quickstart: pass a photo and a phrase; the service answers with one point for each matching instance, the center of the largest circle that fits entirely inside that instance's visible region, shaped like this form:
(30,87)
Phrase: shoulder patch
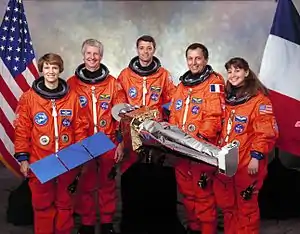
(83,101)
(216,88)
(40,118)
(265,109)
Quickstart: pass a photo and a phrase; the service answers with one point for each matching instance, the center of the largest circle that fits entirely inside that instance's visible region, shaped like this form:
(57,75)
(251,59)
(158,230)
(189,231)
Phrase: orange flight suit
(198,111)
(108,92)
(253,126)
(153,90)
(35,137)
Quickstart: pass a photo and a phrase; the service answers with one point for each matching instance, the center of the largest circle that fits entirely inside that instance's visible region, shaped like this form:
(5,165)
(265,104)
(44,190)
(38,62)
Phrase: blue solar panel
(47,168)
(71,157)
(98,144)
(74,156)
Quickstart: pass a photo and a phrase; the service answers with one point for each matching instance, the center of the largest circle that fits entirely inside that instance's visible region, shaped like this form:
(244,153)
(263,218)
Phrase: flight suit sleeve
(81,126)
(172,119)
(23,127)
(211,124)
(120,80)
(168,90)
(119,96)
(265,129)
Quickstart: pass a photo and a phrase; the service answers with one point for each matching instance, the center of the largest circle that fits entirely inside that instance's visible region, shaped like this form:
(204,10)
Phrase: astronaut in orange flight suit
(98,93)
(48,119)
(196,108)
(148,189)
(146,84)
(250,123)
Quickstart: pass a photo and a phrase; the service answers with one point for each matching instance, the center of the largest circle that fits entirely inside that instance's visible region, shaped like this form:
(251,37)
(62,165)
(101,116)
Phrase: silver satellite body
(144,128)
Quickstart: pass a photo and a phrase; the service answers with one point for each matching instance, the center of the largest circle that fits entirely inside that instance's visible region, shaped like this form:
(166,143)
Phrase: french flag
(280,72)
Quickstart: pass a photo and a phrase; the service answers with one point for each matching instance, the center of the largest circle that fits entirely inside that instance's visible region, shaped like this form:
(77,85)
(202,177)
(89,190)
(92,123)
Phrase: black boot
(86,229)
(107,228)
(190,231)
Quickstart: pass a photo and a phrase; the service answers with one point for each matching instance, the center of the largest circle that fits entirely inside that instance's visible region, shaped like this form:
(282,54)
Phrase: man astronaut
(98,92)
(197,108)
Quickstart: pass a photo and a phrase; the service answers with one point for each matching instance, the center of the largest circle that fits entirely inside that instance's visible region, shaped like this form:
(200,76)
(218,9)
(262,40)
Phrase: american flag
(17,72)
(266,109)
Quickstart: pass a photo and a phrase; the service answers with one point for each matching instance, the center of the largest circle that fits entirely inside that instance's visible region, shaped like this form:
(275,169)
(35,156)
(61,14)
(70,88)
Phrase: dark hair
(146,38)
(195,46)
(53,59)
(252,83)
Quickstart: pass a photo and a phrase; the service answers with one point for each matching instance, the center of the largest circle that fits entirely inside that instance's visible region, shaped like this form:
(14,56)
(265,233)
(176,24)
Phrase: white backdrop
(227,28)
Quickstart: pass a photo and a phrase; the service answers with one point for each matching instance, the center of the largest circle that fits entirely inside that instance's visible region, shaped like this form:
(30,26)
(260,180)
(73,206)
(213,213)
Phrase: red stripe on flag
(22,82)
(8,160)
(8,95)
(289,137)
(33,70)
(10,131)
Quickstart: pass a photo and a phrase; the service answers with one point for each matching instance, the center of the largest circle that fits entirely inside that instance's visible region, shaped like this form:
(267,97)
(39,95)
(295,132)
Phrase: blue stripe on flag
(212,88)
(286,23)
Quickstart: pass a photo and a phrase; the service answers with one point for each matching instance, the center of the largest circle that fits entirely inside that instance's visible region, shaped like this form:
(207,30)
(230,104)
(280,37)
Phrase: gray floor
(9,182)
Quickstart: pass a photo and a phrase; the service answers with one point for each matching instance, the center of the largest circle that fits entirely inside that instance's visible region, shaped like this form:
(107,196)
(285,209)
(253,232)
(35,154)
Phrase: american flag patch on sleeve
(265,109)
(216,88)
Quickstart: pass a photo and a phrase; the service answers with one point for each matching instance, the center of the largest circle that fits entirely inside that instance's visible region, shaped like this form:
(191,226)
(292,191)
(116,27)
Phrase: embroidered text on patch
(265,109)
(216,88)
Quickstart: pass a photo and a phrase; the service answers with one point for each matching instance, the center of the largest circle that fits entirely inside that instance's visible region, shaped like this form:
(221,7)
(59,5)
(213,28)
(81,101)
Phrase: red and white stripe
(10,92)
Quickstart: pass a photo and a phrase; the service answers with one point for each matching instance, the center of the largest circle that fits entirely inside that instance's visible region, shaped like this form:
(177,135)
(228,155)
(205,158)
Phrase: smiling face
(145,51)
(236,76)
(92,57)
(51,66)
(196,61)
(50,72)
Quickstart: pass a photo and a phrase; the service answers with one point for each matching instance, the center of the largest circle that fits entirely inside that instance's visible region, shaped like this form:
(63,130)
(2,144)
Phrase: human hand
(24,168)
(119,153)
(253,166)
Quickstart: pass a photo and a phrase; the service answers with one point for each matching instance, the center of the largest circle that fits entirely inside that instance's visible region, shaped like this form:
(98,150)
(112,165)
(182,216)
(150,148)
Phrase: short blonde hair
(92,42)
(53,59)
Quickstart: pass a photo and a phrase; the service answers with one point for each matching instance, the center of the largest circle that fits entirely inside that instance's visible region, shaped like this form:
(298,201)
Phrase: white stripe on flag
(6,141)
(10,81)
(28,76)
(280,67)
(9,113)
(35,63)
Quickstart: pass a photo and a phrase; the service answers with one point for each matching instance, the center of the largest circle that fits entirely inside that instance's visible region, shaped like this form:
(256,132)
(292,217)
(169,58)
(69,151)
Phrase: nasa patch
(65,112)
(239,128)
(40,118)
(104,105)
(154,96)
(132,92)
(241,119)
(66,122)
(195,110)
(83,101)
(178,104)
